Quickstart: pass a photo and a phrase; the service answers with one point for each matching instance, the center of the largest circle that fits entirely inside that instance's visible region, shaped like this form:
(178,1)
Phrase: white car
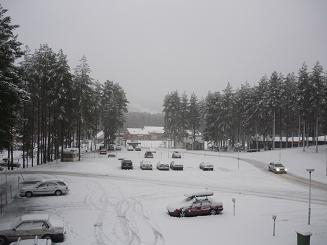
(162,166)
(130,148)
(206,166)
(35,241)
(145,165)
(277,168)
(176,154)
(176,165)
(45,187)
(30,225)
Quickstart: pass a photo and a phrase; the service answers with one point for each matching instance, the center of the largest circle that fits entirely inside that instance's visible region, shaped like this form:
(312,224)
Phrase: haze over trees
(277,106)
(46,106)
(141,119)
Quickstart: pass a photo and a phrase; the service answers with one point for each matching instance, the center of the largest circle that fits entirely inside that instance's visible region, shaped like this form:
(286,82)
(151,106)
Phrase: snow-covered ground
(107,205)
(294,159)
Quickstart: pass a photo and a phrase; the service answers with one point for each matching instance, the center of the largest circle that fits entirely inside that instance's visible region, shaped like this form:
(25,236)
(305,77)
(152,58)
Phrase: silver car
(162,166)
(45,187)
(31,225)
(205,166)
(145,165)
(35,241)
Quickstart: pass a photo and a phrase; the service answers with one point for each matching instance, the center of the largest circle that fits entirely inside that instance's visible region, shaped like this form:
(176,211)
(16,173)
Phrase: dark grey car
(31,225)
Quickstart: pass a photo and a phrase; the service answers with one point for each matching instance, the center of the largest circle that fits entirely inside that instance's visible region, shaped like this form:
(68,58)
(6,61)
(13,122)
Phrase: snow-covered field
(107,205)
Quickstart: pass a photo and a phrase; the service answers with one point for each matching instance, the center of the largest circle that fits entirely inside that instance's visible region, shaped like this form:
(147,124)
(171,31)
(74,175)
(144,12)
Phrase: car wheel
(213,212)
(182,214)
(28,194)
(3,240)
(47,237)
(58,193)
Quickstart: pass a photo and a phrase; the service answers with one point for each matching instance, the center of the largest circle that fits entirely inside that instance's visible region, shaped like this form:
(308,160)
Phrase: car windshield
(279,165)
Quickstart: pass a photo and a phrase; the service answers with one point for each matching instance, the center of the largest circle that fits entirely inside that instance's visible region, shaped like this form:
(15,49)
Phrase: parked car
(148,154)
(111,147)
(30,225)
(176,165)
(277,168)
(126,164)
(45,187)
(137,148)
(145,165)
(176,154)
(130,148)
(111,154)
(196,204)
(205,166)
(5,163)
(162,166)
(2,168)
(103,150)
(118,147)
(35,241)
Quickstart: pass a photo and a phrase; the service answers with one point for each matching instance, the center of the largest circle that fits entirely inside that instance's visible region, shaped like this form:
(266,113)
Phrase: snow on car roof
(27,217)
(199,194)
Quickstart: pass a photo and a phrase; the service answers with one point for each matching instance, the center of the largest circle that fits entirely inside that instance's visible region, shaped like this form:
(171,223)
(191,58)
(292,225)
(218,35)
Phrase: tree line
(276,106)
(47,106)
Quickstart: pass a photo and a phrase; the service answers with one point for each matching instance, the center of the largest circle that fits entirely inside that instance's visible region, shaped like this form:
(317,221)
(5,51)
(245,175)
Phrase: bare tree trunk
(303,135)
(316,135)
(299,135)
(274,130)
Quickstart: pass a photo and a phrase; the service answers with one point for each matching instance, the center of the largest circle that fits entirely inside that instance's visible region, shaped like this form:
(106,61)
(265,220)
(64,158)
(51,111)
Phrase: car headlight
(285,169)
(277,169)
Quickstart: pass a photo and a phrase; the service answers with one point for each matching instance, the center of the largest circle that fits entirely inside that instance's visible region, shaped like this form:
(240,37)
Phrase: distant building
(146,133)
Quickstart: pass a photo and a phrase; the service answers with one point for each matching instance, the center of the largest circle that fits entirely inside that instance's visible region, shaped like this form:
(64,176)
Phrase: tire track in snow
(285,195)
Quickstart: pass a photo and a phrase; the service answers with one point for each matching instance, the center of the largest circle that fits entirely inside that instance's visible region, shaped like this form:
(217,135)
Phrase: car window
(42,185)
(206,203)
(51,184)
(26,225)
(197,204)
(61,183)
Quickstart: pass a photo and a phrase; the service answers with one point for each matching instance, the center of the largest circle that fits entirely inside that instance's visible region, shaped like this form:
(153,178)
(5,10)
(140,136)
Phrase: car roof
(52,180)
(28,217)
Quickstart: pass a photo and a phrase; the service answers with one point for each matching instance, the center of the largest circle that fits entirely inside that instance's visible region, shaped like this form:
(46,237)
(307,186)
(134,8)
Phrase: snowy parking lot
(107,205)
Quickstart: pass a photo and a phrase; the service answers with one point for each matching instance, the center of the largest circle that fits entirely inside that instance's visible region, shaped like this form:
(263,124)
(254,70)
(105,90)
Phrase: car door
(205,207)
(195,208)
(40,189)
(51,188)
(23,230)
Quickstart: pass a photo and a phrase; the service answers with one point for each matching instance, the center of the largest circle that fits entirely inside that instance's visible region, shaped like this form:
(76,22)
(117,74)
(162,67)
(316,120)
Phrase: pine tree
(11,93)
(194,116)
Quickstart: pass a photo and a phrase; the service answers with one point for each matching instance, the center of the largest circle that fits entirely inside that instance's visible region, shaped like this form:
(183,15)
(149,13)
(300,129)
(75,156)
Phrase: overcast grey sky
(152,47)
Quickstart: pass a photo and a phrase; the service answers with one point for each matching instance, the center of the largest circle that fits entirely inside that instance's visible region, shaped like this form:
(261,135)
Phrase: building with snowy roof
(146,133)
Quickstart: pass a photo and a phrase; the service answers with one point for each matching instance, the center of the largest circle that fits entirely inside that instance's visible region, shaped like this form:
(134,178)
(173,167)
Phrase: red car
(196,204)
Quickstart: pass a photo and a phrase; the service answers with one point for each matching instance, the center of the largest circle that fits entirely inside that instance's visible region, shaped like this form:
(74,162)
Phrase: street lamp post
(310,170)
(274,228)
(233,200)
